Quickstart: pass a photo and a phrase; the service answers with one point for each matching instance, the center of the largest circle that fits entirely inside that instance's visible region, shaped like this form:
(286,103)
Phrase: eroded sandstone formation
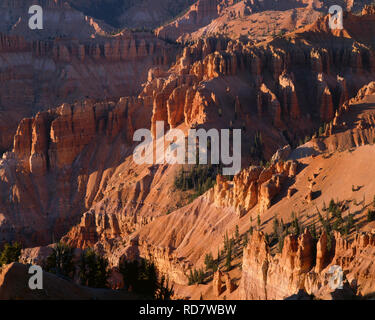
(41,74)
(268,276)
(252,186)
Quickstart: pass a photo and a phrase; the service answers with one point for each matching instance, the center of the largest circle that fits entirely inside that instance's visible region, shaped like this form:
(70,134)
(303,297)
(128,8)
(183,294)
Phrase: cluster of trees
(93,268)
(141,277)
(281,230)
(60,261)
(92,271)
(196,276)
(334,220)
(10,253)
(212,265)
(320,132)
(256,147)
(200,178)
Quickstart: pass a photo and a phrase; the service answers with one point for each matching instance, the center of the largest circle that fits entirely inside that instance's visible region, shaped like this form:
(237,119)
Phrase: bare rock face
(228,283)
(42,74)
(321,253)
(35,256)
(51,145)
(201,13)
(294,270)
(282,154)
(291,191)
(289,97)
(251,186)
(255,265)
(56,137)
(351,126)
(217,283)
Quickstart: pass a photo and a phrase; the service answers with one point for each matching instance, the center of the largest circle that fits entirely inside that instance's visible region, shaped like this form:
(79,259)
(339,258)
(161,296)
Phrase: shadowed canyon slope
(39,74)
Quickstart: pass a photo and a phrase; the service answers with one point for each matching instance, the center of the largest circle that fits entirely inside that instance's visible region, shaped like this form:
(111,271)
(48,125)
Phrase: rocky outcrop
(199,14)
(53,139)
(353,124)
(252,186)
(267,276)
(217,283)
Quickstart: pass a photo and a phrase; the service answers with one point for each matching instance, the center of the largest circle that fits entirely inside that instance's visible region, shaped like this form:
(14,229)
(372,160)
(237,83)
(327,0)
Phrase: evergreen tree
(196,276)
(246,240)
(141,277)
(295,224)
(209,261)
(191,278)
(60,262)
(93,270)
(163,291)
(349,224)
(281,243)
(237,233)
(251,230)
(10,253)
(275,226)
(313,232)
(130,273)
(228,259)
(258,221)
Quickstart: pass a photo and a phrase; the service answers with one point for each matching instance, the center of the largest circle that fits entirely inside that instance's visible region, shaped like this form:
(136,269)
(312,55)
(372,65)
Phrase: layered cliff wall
(38,75)
(61,162)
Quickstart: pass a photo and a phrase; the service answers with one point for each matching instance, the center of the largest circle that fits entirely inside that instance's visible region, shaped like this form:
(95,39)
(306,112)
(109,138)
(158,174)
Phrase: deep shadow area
(106,10)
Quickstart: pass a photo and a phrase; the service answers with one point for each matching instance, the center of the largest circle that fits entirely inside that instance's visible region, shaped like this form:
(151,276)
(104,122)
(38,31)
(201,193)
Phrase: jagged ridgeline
(122,13)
